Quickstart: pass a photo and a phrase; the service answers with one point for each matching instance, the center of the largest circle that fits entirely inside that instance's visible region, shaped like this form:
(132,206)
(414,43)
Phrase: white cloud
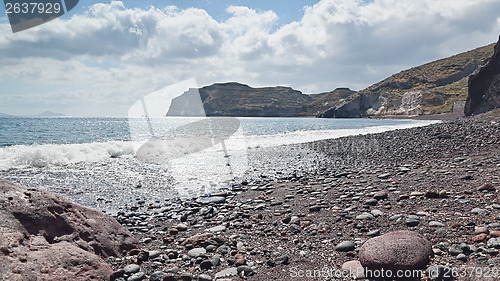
(245,20)
(115,54)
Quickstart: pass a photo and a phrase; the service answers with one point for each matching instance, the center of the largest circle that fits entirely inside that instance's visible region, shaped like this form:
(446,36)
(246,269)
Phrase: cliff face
(355,107)
(436,87)
(484,86)
(234,99)
(324,101)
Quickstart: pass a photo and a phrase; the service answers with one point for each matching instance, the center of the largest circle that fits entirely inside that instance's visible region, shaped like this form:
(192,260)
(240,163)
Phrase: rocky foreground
(422,199)
(438,184)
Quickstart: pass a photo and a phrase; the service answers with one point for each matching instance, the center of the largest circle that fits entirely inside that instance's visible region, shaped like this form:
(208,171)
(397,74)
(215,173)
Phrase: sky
(102,56)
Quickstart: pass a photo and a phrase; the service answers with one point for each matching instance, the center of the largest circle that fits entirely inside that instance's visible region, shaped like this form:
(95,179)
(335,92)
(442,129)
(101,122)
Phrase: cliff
(484,86)
(324,101)
(234,99)
(432,88)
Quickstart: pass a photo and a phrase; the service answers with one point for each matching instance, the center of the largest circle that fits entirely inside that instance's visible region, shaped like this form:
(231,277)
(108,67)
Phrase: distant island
(50,114)
(43,114)
(433,88)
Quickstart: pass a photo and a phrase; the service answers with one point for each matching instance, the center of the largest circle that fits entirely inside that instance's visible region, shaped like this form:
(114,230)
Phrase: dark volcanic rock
(484,86)
(44,235)
(396,250)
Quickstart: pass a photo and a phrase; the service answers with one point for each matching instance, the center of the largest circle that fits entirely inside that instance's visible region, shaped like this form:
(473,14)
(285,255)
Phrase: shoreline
(114,184)
(294,219)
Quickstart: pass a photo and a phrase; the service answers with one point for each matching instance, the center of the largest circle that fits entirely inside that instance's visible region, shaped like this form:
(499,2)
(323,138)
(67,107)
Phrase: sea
(111,163)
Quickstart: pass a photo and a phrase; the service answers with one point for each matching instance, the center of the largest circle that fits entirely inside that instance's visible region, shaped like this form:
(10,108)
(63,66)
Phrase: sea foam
(50,155)
(47,155)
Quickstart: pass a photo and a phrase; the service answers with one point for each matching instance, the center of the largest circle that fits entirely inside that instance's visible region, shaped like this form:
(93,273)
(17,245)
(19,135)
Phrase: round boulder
(396,250)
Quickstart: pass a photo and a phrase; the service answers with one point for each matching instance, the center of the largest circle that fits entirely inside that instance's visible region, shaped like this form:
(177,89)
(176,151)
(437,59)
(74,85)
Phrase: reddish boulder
(400,250)
(43,236)
(36,259)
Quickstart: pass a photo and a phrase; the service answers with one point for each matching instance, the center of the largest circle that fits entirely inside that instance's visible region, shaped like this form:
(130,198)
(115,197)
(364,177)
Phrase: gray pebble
(211,248)
(245,270)
(395,217)
(281,260)
(131,268)
(479,211)
(365,216)
(206,264)
(314,208)
(345,246)
(215,261)
(218,228)
(462,257)
(384,176)
(494,243)
(436,224)
(196,252)
(154,254)
(381,195)
(455,250)
(373,233)
(137,277)
(157,276)
(204,277)
(412,220)
(232,271)
(377,213)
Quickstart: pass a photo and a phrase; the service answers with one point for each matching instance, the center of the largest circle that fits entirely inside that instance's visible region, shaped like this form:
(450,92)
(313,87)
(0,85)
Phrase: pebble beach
(439,181)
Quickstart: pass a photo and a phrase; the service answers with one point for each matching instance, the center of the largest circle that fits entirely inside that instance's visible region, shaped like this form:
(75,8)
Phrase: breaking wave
(50,155)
